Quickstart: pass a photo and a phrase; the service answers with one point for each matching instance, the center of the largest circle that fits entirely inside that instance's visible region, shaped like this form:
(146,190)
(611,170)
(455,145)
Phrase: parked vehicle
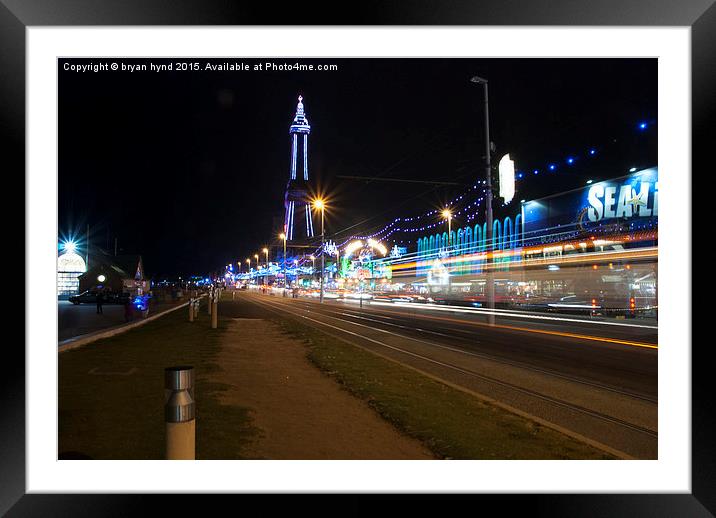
(90,297)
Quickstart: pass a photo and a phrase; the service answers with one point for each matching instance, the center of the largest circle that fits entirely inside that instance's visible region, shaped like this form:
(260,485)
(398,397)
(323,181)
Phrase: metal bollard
(233,295)
(196,308)
(179,413)
(215,315)
(208,306)
(191,310)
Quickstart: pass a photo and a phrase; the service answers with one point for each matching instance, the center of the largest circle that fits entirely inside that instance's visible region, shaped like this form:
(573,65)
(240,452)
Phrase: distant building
(70,266)
(122,273)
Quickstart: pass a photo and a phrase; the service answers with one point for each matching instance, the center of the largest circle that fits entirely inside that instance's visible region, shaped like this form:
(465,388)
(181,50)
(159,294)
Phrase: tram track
(468,342)
(513,363)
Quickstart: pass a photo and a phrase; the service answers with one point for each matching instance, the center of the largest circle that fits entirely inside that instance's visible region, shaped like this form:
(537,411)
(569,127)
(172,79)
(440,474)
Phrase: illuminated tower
(298,223)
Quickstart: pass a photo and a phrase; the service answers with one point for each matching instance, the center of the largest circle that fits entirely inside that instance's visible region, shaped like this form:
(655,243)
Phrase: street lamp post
(265,250)
(313,268)
(283,236)
(320,205)
(448,216)
(248,261)
(490,285)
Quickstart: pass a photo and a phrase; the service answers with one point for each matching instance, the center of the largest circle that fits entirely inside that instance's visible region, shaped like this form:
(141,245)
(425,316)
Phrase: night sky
(188,168)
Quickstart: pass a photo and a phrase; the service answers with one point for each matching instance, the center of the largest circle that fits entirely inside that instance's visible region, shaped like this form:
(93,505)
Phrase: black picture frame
(17,15)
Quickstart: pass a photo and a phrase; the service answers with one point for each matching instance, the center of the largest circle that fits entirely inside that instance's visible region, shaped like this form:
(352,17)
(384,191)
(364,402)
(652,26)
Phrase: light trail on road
(543,331)
(507,312)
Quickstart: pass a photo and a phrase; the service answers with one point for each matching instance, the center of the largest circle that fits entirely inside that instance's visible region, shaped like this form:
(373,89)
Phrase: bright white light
(352,247)
(507,178)
(69,246)
(376,245)
(71,262)
(101,278)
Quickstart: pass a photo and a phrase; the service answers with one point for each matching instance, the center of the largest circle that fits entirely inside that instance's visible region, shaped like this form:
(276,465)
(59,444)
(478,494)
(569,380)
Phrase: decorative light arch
(496,235)
(518,231)
(508,238)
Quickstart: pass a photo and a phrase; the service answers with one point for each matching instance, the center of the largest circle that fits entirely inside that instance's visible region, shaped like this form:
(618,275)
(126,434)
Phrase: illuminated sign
(631,200)
(506,170)
(638,197)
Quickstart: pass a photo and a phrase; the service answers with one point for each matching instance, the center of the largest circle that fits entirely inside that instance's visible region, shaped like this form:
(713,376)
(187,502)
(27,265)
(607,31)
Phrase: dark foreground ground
(271,387)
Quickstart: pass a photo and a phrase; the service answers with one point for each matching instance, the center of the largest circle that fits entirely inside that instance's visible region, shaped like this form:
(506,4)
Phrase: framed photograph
(415,252)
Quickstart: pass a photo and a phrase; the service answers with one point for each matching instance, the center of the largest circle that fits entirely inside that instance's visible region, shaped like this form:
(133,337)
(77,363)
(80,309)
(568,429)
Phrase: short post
(209,297)
(191,310)
(215,313)
(233,295)
(179,413)
(196,307)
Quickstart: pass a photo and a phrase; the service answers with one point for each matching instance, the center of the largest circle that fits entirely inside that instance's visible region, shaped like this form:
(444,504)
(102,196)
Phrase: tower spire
(300,120)
(296,190)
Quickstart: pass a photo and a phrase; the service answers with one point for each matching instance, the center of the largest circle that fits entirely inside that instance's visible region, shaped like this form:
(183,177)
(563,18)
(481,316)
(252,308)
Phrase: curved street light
(319,204)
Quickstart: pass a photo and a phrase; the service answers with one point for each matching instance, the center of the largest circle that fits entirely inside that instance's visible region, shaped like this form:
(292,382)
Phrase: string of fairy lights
(474,209)
(555,166)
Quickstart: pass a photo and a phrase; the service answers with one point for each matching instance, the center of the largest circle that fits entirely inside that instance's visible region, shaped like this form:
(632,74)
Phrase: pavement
(594,380)
(301,413)
(81,319)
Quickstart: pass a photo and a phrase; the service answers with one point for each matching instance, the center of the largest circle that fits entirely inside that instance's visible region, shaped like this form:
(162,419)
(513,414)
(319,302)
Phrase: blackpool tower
(298,222)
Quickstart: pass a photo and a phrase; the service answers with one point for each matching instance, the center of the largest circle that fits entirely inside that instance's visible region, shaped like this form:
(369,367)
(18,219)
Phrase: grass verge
(111,393)
(452,423)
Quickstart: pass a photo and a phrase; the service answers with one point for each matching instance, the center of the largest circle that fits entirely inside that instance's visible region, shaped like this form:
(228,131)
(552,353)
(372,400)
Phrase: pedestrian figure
(100,299)
(127,310)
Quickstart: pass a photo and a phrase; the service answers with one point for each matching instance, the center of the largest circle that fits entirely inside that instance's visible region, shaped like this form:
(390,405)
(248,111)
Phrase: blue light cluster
(572,159)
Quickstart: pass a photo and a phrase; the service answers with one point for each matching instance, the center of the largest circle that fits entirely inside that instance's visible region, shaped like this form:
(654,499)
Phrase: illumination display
(375,245)
(507,178)
(101,278)
(352,247)
(398,251)
(631,200)
(638,197)
(330,248)
(71,262)
(296,194)
(69,267)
